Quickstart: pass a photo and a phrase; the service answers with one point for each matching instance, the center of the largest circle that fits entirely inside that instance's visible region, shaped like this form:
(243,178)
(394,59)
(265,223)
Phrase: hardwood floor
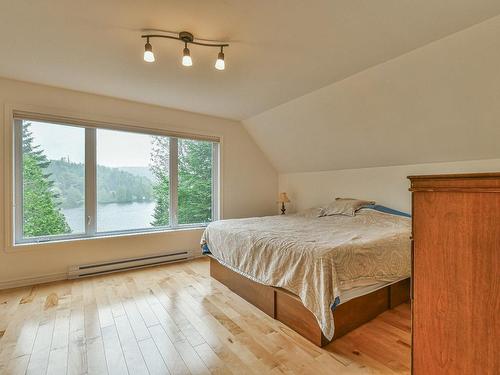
(175,319)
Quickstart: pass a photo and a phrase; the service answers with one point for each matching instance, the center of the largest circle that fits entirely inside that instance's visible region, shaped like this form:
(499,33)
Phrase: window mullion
(215,182)
(90,182)
(173,173)
(18,180)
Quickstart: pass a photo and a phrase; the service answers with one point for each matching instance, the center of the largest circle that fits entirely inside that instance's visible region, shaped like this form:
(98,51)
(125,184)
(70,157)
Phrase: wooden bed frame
(288,309)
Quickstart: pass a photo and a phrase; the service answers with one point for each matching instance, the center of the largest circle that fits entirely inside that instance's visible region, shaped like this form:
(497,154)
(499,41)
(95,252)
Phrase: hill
(114,185)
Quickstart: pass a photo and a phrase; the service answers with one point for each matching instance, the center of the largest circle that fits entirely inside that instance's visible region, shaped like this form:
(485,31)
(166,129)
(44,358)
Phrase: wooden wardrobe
(456,274)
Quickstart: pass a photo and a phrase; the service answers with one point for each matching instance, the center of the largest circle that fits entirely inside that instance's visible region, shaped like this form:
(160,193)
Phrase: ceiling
(438,103)
(279,49)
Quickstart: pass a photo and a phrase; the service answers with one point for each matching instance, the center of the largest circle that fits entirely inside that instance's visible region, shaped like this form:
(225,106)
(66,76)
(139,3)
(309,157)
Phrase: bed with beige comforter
(314,258)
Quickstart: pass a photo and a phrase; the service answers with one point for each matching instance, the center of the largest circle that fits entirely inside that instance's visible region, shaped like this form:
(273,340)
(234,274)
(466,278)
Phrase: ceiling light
(186,38)
(186,56)
(149,56)
(219,64)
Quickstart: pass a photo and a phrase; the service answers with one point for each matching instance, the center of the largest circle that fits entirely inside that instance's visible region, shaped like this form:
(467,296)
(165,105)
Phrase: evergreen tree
(194,188)
(41,213)
(161,186)
(195,182)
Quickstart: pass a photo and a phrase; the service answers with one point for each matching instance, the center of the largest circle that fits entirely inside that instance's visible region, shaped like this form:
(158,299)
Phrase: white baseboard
(27,281)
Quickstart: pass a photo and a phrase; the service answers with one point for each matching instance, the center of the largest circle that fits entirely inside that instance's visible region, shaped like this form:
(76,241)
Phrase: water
(113,216)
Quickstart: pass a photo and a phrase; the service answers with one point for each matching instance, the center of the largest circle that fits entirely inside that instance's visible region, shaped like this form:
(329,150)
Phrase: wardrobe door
(456,305)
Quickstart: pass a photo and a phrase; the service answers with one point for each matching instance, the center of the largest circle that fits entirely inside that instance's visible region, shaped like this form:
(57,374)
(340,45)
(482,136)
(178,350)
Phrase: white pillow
(311,212)
(345,206)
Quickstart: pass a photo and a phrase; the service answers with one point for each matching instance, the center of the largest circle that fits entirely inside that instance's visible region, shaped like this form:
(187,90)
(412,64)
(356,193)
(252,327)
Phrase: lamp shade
(283,198)
(186,57)
(148,53)
(219,64)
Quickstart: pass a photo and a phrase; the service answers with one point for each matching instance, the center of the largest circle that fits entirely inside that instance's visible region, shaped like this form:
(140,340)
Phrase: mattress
(358,291)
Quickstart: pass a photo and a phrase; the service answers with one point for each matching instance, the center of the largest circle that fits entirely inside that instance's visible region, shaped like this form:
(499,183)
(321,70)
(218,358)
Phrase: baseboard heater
(85,270)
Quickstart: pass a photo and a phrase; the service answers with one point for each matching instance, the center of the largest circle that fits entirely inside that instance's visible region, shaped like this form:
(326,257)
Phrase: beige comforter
(314,258)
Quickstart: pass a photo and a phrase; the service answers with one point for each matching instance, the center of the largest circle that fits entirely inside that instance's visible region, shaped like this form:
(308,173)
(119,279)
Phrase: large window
(126,181)
(74,181)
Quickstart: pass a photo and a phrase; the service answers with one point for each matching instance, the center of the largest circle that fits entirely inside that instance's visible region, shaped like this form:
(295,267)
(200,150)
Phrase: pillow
(311,212)
(345,206)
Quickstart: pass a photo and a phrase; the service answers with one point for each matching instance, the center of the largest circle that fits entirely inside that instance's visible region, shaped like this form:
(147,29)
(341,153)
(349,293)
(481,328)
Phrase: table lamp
(283,198)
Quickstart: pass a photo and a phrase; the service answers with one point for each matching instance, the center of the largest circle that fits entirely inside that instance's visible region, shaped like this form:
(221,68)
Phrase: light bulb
(148,53)
(186,57)
(219,64)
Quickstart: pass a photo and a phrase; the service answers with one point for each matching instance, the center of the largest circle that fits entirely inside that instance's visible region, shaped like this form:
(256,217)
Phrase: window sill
(27,246)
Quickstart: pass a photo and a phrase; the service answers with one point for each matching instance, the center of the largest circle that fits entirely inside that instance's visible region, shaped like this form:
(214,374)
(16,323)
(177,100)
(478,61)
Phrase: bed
(321,276)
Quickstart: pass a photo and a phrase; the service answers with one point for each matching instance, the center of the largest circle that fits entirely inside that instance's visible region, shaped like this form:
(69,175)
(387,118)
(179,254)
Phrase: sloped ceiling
(279,49)
(437,103)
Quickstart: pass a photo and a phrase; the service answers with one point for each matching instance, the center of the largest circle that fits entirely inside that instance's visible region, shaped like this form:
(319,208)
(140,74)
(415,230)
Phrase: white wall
(438,103)
(386,185)
(249,181)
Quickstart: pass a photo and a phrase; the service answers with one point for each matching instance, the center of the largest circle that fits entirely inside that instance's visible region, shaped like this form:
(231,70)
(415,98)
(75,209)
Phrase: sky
(114,148)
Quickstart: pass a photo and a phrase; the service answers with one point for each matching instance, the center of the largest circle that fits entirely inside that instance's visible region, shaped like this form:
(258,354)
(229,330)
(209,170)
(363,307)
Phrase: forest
(114,184)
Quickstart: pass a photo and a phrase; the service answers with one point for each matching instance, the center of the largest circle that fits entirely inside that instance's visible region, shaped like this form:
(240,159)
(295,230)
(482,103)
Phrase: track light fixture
(186,38)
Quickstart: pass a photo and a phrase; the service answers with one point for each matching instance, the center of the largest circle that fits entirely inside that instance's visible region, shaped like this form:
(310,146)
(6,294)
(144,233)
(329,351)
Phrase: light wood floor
(175,319)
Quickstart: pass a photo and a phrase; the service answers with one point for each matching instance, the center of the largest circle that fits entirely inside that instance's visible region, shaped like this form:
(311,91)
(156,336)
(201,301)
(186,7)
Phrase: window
(194,182)
(126,180)
(77,181)
(53,180)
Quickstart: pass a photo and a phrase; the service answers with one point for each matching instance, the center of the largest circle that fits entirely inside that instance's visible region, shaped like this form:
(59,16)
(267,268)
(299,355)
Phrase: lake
(113,216)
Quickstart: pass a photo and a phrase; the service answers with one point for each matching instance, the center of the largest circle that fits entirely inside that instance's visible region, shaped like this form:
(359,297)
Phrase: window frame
(90,166)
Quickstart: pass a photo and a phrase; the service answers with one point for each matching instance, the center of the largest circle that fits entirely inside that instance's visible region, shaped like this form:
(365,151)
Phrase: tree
(194,190)
(41,212)
(195,181)
(161,186)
